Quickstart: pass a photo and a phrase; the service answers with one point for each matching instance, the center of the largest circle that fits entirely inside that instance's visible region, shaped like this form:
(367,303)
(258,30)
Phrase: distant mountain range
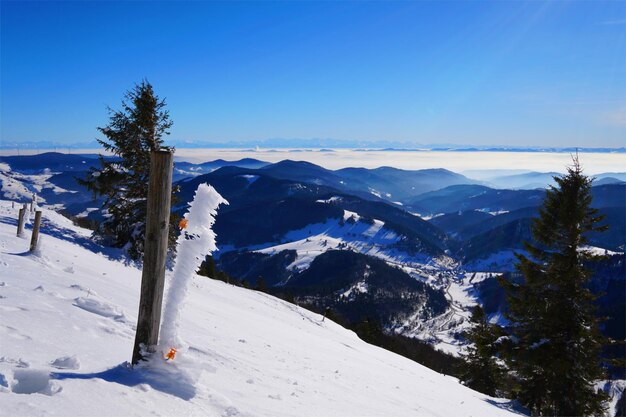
(314,143)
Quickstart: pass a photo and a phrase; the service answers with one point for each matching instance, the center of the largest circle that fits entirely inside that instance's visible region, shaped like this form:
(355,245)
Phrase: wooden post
(155,251)
(20,222)
(32,203)
(35,236)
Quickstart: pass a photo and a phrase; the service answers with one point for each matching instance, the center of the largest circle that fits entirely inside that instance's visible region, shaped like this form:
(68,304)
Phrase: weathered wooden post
(32,203)
(155,251)
(35,236)
(20,221)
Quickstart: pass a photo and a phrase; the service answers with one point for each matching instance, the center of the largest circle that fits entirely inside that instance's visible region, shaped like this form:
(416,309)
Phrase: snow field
(370,239)
(18,186)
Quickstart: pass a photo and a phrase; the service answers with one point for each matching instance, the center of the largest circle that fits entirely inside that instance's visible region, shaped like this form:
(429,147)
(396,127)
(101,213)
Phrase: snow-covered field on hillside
(352,233)
(67,327)
(18,186)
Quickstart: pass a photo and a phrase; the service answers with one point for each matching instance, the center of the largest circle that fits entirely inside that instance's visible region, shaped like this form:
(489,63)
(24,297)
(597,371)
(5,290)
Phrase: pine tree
(131,134)
(207,268)
(481,370)
(260,284)
(556,354)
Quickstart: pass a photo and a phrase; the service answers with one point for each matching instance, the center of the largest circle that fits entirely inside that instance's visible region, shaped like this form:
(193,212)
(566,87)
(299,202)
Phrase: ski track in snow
(67,330)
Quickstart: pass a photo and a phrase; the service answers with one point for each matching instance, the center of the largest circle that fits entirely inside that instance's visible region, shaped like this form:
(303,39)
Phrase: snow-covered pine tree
(131,134)
(556,352)
(481,370)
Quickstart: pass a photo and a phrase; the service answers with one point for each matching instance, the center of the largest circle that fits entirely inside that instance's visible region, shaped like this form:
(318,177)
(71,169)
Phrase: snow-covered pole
(35,236)
(32,203)
(155,252)
(195,241)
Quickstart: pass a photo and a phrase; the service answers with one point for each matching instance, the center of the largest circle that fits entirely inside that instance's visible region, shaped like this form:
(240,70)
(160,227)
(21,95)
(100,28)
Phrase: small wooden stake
(35,236)
(32,203)
(155,252)
(20,222)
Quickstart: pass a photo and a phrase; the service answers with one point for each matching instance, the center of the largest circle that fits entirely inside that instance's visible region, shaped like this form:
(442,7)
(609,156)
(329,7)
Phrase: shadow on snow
(166,379)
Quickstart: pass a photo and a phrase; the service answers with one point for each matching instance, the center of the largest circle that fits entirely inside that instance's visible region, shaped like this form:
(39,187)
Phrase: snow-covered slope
(18,186)
(352,233)
(67,328)
(371,239)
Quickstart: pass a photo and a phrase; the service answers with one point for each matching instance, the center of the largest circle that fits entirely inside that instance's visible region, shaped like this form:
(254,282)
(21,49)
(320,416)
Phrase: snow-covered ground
(21,187)
(67,326)
(315,239)
(352,233)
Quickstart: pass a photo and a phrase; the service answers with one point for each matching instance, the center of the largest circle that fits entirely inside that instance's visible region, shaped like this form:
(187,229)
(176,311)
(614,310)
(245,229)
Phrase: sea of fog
(593,163)
(464,162)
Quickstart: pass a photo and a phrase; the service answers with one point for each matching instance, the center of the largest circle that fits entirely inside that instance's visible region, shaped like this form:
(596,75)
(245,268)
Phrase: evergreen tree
(207,267)
(131,134)
(260,284)
(481,370)
(556,352)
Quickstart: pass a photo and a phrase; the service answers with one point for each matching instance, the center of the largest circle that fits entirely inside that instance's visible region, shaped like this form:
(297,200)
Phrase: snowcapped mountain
(67,326)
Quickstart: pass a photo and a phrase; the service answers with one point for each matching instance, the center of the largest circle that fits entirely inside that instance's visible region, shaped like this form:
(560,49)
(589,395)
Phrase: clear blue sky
(505,73)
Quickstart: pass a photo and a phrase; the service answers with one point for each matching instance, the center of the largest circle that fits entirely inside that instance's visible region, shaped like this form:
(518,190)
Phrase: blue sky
(483,73)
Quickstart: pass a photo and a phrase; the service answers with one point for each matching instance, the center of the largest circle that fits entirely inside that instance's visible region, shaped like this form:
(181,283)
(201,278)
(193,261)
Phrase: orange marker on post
(171,354)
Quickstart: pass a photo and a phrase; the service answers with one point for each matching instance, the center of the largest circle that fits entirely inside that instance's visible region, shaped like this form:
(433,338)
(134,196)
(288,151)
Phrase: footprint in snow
(230,412)
(18,363)
(66,362)
(11,308)
(4,384)
(14,333)
(30,381)
(101,308)
(88,290)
